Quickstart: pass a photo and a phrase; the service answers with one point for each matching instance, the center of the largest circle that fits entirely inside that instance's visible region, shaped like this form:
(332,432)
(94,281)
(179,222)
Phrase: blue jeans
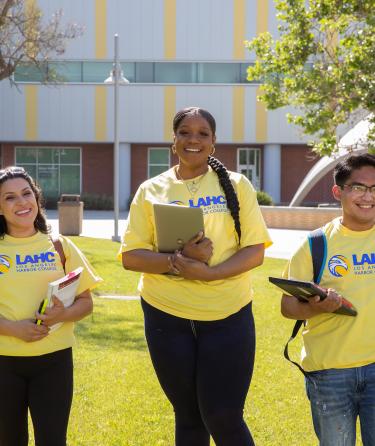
(338,397)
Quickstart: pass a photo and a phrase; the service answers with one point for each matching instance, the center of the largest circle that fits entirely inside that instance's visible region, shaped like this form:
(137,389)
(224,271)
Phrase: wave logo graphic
(5,264)
(338,265)
(180,203)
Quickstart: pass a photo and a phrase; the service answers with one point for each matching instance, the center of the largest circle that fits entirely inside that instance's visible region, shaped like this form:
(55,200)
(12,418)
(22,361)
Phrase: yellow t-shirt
(332,340)
(194,299)
(27,265)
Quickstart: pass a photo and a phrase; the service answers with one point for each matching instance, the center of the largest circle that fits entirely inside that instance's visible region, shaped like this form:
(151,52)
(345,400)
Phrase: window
(158,160)
(96,71)
(175,72)
(225,73)
(57,170)
(249,165)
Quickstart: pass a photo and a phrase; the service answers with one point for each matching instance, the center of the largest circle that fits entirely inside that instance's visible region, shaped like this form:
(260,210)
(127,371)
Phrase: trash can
(70,210)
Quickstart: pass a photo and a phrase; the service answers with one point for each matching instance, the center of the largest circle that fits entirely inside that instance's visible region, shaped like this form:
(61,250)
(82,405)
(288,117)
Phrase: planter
(308,218)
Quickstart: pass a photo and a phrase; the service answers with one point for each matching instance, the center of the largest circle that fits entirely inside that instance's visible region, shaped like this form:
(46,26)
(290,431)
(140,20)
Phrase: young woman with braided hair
(198,322)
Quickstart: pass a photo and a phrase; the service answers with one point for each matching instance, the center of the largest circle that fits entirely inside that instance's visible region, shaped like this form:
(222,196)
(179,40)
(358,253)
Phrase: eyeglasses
(360,189)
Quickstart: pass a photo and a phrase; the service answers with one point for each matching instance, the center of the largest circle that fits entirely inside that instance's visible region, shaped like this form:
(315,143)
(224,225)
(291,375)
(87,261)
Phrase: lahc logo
(5,264)
(208,201)
(41,258)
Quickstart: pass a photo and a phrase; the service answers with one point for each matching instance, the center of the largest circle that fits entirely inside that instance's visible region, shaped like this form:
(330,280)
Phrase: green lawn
(103,256)
(117,399)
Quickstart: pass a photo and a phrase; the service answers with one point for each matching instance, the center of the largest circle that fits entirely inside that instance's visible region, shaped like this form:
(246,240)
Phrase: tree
(323,64)
(25,38)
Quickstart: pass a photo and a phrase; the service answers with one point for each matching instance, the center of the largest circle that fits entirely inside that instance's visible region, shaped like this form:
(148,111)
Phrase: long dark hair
(215,164)
(40,222)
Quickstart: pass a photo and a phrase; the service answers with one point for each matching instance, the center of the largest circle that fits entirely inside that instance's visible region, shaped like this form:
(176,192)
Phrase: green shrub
(97,202)
(264,199)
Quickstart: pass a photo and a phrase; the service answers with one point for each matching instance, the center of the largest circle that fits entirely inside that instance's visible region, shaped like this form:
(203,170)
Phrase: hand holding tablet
(304,291)
(176,225)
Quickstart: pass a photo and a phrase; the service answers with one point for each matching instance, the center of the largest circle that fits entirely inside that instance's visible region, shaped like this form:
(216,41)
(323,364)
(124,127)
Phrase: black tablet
(299,288)
(305,290)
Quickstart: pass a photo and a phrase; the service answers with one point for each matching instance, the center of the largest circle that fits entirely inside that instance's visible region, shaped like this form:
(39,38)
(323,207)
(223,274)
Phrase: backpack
(318,249)
(59,249)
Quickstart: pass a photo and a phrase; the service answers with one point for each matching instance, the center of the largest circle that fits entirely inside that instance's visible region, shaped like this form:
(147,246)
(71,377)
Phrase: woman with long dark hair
(36,364)
(198,320)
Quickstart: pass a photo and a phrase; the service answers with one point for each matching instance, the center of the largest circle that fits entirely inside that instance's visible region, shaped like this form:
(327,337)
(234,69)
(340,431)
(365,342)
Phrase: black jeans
(43,384)
(205,370)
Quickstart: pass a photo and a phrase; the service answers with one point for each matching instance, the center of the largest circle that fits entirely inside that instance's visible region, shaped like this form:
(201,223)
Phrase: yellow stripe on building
(101,113)
(100,29)
(238,114)
(239,29)
(261,115)
(31,112)
(170,29)
(169,111)
(262,16)
(261,120)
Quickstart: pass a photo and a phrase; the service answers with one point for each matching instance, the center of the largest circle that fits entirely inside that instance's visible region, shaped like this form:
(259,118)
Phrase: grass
(102,254)
(118,401)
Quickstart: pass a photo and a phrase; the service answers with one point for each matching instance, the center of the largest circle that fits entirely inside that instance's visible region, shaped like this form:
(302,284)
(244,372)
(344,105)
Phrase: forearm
(81,308)
(243,260)
(292,308)
(6,327)
(143,260)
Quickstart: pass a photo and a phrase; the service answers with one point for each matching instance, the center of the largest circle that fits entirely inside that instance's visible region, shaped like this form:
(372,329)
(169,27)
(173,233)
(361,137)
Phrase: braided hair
(40,222)
(215,164)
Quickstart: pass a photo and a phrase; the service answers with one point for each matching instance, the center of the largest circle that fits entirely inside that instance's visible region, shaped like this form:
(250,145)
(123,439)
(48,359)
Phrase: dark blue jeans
(205,369)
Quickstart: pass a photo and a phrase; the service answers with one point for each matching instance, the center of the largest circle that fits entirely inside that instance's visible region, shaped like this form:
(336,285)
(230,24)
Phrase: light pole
(116,78)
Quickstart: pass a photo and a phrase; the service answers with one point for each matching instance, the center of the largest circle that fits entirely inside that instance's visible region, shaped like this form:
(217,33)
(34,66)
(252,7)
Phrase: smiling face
(193,141)
(358,209)
(18,206)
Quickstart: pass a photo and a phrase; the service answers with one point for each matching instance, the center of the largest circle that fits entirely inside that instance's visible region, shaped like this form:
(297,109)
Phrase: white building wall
(204,30)
(12,111)
(140,25)
(80,12)
(65,113)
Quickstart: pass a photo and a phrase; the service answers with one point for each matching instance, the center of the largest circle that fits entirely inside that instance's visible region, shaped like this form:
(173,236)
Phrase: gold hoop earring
(173,149)
(213,150)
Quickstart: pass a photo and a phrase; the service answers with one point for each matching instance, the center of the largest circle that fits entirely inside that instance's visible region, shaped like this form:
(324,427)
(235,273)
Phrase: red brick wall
(139,164)
(97,169)
(97,164)
(296,161)
(7,155)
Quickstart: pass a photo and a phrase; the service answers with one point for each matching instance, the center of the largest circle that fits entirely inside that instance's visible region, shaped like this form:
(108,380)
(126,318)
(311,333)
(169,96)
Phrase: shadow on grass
(116,332)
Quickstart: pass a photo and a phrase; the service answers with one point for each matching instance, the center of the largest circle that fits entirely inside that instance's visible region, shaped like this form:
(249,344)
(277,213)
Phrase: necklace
(191,185)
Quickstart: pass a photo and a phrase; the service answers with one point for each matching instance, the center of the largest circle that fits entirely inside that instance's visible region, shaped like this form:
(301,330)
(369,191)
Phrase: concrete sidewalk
(99,224)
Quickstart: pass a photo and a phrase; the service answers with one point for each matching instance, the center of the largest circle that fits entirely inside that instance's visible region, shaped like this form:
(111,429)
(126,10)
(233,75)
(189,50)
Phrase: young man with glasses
(339,350)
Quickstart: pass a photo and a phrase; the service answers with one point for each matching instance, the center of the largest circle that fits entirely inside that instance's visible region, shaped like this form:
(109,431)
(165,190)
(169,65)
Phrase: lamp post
(116,78)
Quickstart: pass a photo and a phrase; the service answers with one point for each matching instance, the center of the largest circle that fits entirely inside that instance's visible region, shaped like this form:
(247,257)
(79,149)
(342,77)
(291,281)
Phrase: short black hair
(345,168)
(12,172)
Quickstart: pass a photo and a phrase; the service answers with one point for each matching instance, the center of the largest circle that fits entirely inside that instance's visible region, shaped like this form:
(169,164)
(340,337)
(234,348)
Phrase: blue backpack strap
(318,248)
